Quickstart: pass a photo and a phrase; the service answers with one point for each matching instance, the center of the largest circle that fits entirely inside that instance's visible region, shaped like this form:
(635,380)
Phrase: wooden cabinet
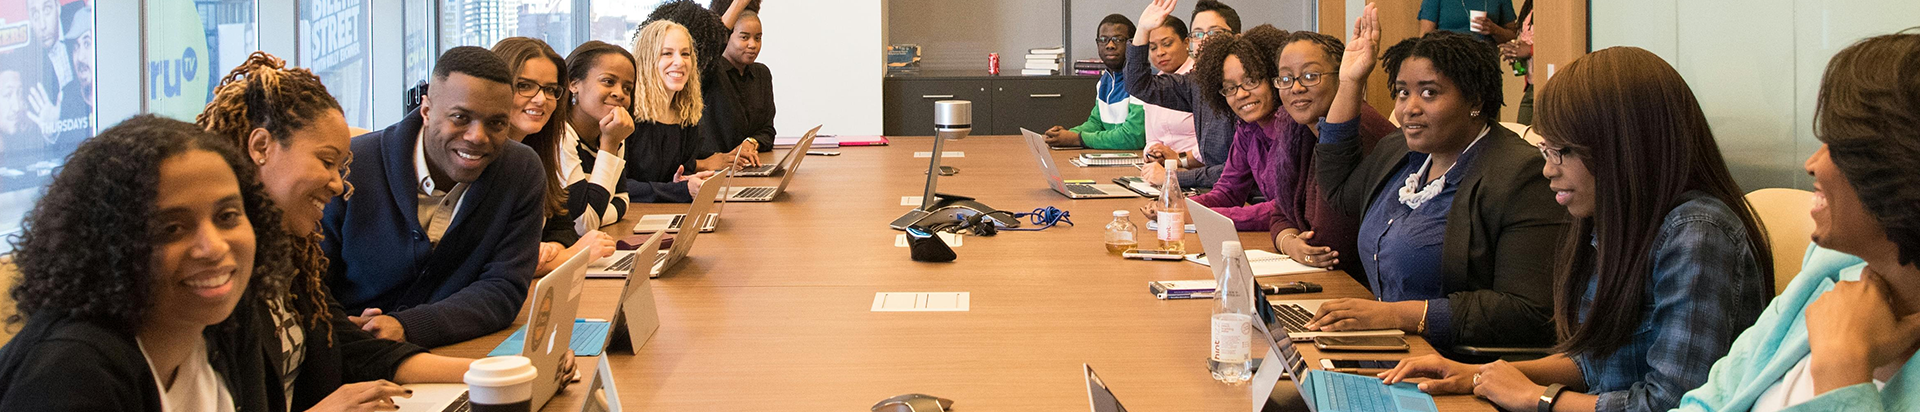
(1001,104)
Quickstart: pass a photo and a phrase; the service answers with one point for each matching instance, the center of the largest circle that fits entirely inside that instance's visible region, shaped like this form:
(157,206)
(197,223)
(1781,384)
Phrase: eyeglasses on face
(1103,40)
(1304,79)
(527,89)
(1230,89)
(1554,155)
(1197,35)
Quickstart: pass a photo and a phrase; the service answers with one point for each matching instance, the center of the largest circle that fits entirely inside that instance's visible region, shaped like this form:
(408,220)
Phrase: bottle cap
(1122,213)
(1231,248)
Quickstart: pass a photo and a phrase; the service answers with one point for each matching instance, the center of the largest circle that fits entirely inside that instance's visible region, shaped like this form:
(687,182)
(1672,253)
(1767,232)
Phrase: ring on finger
(1476,380)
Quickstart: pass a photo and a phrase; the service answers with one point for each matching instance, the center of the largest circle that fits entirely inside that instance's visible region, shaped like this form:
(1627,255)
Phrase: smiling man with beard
(439,244)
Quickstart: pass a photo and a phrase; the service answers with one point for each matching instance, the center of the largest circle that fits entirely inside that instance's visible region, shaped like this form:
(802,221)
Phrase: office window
(614,21)
(484,22)
(419,41)
(191,44)
(334,36)
(46,97)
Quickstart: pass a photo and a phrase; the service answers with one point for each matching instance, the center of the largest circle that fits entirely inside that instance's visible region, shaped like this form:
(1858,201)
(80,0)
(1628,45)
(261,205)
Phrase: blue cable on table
(1042,218)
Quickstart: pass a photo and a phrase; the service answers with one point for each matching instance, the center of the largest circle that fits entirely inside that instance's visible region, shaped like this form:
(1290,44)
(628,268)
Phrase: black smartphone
(1361,343)
(1354,364)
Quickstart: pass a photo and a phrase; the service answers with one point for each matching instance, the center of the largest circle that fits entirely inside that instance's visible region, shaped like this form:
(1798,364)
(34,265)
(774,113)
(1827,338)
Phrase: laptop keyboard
(676,221)
(767,168)
(755,192)
(1085,190)
(459,404)
(1294,316)
(1347,392)
(624,264)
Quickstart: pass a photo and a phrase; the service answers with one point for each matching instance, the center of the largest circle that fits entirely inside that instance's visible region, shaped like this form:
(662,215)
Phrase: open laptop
(1327,391)
(768,193)
(671,222)
(623,262)
(1038,145)
(1098,395)
(1215,229)
(768,169)
(556,300)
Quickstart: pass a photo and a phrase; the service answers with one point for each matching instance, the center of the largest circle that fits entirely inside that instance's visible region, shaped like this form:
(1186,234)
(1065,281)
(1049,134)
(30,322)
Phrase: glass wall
(484,22)
(334,42)
(419,41)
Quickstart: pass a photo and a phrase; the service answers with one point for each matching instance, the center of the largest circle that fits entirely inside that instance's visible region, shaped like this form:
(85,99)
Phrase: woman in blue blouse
(1843,334)
(1659,226)
(1458,227)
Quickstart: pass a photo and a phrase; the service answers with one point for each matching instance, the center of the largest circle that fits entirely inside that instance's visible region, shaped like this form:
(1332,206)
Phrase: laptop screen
(1099,396)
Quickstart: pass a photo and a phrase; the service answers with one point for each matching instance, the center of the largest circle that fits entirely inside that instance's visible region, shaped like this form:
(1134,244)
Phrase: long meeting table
(773,311)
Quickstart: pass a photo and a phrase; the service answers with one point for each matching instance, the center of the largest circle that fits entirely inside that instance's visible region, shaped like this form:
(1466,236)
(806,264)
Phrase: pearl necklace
(1413,194)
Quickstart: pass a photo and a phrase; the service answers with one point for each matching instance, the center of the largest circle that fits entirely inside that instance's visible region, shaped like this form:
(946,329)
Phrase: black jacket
(349,355)
(1503,232)
(64,364)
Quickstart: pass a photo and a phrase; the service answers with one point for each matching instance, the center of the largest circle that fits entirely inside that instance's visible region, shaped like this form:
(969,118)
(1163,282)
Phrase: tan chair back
(1789,229)
(8,274)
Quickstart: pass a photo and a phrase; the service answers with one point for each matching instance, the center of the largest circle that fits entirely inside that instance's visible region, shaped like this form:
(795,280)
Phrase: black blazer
(349,355)
(58,363)
(1503,232)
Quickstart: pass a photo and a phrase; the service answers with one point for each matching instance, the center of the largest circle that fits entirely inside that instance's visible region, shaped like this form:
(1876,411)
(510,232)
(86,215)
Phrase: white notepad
(1266,263)
(922,301)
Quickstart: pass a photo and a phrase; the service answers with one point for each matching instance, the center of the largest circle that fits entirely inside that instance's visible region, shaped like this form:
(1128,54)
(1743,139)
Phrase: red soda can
(993,63)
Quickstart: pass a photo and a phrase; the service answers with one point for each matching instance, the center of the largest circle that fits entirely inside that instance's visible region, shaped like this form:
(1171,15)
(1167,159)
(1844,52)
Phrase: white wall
(1755,65)
(827,63)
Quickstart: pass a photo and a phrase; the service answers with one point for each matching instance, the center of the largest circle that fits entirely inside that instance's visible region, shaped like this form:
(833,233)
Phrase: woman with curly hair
(678,68)
(1235,71)
(576,207)
(666,114)
(1843,335)
(1457,226)
(130,266)
(294,133)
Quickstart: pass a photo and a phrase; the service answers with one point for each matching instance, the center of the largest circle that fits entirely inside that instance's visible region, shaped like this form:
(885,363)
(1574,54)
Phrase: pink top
(1173,128)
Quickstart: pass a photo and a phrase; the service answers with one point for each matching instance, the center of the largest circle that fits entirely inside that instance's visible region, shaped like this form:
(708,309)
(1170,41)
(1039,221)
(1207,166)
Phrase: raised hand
(1362,50)
(1151,18)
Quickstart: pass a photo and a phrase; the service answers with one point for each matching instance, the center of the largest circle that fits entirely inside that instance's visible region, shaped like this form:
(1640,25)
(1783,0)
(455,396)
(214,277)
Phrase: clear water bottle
(1172,217)
(1232,327)
(1120,233)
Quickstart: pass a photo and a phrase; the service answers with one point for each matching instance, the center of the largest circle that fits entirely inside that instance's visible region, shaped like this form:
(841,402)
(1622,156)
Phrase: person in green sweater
(1118,121)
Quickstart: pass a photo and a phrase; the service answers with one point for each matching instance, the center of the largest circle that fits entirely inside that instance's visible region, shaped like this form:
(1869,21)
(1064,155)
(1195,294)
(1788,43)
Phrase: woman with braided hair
(294,133)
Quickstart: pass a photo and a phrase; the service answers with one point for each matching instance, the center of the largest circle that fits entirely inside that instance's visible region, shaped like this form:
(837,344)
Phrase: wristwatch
(1550,396)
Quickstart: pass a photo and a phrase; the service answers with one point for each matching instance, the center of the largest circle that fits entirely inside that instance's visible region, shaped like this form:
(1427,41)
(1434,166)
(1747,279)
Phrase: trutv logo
(164,77)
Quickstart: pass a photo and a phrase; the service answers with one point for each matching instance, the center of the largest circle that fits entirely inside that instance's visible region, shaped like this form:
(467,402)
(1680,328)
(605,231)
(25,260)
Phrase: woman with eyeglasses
(576,207)
(1665,263)
(1457,226)
(1213,127)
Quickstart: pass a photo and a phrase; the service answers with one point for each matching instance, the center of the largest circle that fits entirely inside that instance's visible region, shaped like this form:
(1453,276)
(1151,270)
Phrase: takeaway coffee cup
(500,384)
(1473,17)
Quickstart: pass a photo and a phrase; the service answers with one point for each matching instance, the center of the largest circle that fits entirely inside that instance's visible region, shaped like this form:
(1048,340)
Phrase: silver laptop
(1098,396)
(623,262)
(556,300)
(1038,145)
(670,223)
(1215,229)
(767,193)
(768,169)
(1327,391)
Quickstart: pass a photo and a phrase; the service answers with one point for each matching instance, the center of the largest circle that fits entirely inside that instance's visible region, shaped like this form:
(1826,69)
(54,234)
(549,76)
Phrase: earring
(262,162)
(1476,113)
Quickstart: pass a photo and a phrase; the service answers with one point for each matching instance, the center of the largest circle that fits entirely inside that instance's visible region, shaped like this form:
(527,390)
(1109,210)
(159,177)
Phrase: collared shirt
(1703,286)
(1173,128)
(432,200)
(1400,246)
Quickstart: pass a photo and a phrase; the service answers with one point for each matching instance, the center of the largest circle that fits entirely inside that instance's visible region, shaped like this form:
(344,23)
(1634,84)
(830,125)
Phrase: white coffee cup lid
(500,371)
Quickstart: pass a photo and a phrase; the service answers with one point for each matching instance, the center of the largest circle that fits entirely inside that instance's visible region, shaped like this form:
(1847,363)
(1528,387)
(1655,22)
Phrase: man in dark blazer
(441,231)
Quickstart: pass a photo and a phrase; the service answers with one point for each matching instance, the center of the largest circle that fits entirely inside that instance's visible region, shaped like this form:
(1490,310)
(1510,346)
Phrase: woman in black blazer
(1458,228)
(130,266)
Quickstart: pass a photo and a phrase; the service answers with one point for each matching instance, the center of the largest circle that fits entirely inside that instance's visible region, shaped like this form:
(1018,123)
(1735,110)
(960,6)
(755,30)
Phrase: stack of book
(903,60)
(1044,62)
(1088,67)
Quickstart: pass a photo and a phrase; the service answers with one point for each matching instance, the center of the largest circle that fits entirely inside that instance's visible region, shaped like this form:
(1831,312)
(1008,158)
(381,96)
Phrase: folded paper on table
(1266,263)
(589,338)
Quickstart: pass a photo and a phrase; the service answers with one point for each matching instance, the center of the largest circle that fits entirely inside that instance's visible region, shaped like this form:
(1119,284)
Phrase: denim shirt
(1704,286)
(1400,245)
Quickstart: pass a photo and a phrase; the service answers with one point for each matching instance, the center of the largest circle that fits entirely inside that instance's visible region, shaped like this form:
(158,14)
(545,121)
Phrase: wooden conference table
(773,310)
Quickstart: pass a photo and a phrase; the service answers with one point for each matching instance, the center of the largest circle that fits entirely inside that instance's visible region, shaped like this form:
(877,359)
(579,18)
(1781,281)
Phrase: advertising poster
(46,96)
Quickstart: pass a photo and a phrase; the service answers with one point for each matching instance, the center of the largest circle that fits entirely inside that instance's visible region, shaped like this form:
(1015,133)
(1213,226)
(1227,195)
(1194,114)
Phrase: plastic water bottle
(1172,217)
(1232,326)
(1120,233)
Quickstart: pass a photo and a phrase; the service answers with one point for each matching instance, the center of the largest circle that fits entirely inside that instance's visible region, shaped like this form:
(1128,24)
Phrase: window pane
(419,29)
(334,39)
(484,22)
(46,97)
